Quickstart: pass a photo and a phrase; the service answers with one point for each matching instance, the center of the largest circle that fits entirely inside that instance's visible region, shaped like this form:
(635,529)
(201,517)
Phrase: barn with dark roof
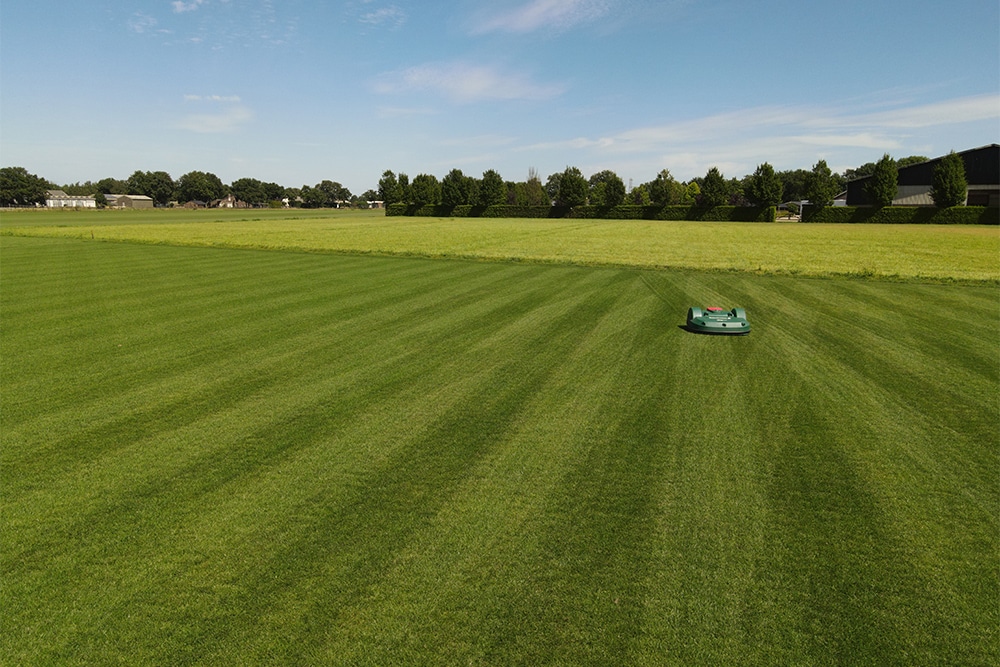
(982,172)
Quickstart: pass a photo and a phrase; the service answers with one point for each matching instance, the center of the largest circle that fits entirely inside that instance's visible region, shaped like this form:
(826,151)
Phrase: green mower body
(715,320)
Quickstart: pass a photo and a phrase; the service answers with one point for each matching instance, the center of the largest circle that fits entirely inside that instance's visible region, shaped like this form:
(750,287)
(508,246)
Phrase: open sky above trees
(298,92)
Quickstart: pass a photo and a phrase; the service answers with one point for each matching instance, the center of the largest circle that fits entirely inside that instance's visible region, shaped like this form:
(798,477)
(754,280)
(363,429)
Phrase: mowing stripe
(325,459)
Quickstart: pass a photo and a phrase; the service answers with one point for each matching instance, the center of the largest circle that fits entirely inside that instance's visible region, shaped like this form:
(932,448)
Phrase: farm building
(982,172)
(129,201)
(59,199)
(229,201)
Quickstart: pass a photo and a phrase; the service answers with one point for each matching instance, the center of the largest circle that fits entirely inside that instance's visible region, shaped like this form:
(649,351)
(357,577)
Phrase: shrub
(905,215)
(620,212)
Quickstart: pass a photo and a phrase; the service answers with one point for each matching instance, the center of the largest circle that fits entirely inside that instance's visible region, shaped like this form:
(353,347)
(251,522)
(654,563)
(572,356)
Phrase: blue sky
(296,92)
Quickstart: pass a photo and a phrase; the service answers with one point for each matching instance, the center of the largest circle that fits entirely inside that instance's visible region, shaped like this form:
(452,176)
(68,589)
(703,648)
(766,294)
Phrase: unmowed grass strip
(943,253)
(234,457)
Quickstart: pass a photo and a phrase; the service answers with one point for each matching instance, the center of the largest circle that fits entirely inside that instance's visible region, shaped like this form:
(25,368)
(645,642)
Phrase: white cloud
(232,116)
(543,14)
(803,125)
(181,7)
(141,23)
(788,137)
(462,82)
(404,112)
(392,16)
(857,140)
(482,141)
(946,112)
(212,98)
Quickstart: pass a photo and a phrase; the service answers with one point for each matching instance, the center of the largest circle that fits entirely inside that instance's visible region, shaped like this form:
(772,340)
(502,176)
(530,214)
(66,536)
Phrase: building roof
(59,194)
(982,167)
(130,197)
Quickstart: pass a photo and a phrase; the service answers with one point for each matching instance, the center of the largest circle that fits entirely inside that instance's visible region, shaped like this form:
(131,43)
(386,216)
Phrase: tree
(949,186)
(552,186)
(79,189)
(312,197)
(20,188)
(249,190)
(793,184)
(473,184)
(161,187)
(868,168)
(326,194)
(157,185)
(735,189)
(294,196)
(911,160)
(821,187)
(273,192)
(111,186)
(406,195)
(664,189)
(606,189)
(572,188)
(639,196)
(515,195)
(200,186)
(883,182)
(492,189)
(388,188)
(425,189)
(714,189)
(334,193)
(763,188)
(691,193)
(534,193)
(136,183)
(455,188)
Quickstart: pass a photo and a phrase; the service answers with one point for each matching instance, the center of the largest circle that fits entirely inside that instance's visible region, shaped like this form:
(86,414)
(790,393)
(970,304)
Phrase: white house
(59,199)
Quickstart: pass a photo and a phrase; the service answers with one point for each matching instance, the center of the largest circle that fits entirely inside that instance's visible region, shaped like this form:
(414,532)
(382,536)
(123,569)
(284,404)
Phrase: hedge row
(905,215)
(623,212)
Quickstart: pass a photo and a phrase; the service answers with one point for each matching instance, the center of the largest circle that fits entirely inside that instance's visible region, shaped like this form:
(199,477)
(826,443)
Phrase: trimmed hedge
(623,212)
(715,213)
(905,215)
(470,211)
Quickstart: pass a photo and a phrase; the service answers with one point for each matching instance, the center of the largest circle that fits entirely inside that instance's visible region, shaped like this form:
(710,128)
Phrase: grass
(922,252)
(222,456)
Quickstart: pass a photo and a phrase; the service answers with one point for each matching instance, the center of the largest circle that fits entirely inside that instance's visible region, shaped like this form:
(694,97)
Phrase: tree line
(764,187)
(605,189)
(18,187)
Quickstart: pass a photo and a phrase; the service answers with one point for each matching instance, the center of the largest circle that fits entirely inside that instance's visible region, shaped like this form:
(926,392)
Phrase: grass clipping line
(923,253)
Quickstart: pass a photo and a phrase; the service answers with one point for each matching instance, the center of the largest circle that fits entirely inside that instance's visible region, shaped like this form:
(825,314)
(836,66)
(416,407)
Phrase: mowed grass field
(233,456)
(927,252)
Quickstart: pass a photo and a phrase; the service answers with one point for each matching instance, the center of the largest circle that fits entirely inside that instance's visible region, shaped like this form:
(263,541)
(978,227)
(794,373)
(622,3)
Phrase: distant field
(242,457)
(926,252)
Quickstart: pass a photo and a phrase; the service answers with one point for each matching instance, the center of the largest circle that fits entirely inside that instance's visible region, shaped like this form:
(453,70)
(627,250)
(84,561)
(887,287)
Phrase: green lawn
(226,456)
(926,252)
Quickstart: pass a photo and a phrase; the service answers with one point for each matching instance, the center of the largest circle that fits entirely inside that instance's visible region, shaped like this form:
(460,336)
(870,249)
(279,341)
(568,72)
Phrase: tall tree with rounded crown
(949,186)
(714,190)
(884,182)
